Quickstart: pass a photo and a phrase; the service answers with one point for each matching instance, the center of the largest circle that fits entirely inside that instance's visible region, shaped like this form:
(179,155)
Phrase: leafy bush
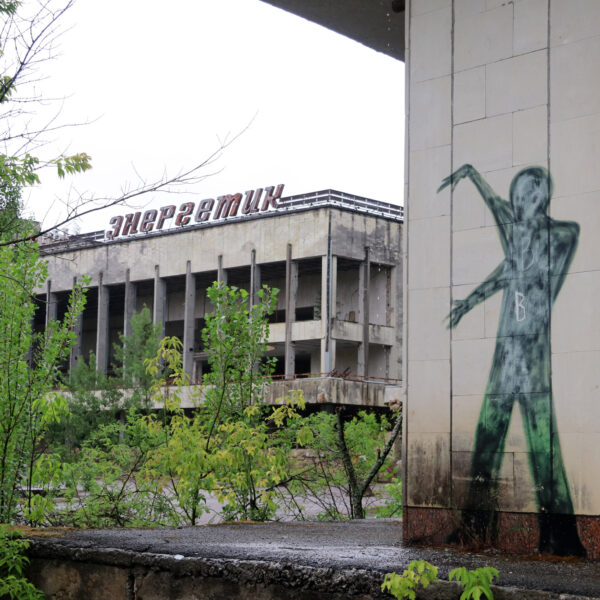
(419,573)
(13,561)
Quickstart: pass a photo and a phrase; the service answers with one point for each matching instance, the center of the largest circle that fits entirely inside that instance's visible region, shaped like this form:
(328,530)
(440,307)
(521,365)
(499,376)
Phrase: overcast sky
(163,82)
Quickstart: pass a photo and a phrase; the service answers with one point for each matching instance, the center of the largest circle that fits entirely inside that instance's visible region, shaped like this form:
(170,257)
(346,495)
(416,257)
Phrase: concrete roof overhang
(378,24)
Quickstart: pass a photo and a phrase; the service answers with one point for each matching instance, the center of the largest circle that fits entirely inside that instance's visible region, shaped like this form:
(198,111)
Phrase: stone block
(468,208)
(575,155)
(475,254)
(574,20)
(426,6)
(430,113)
(428,389)
(575,323)
(516,83)
(431,49)
(530,31)
(427,169)
(429,253)
(584,210)
(530,136)
(428,458)
(469,95)
(582,474)
(428,337)
(465,414)
(576,390)
(471,362)
(486,144)
(472,325)
(575,87)
(482,38)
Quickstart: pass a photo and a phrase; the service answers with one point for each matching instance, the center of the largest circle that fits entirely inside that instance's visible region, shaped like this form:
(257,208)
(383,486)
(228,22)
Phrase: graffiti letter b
(519,306)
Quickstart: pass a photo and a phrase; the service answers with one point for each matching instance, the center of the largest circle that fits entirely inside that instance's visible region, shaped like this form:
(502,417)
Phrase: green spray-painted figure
(538,251)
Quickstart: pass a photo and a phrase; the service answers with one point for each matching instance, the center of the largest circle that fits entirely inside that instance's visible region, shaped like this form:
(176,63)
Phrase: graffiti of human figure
(538,251)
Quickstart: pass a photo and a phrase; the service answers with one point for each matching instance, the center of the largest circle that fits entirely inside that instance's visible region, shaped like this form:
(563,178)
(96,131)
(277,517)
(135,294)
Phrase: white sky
(163,81)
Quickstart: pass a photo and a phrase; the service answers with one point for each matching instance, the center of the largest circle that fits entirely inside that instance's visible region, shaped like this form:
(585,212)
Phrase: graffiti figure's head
(530,192)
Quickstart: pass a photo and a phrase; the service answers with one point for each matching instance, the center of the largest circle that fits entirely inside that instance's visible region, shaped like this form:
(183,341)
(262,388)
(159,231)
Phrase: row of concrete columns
(328,311)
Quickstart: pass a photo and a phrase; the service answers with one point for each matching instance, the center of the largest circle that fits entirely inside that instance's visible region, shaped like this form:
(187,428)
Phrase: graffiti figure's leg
(490,437)
(558,526)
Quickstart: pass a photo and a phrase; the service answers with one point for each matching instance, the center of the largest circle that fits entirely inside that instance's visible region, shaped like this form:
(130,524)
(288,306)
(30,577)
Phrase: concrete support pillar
(364,279)
(291,290)
(51,304)
(129,305)
(221,272)
(77,330)
(189,321)
(328,303)
(102,327)
(255,279)
(395,354)
(160,300)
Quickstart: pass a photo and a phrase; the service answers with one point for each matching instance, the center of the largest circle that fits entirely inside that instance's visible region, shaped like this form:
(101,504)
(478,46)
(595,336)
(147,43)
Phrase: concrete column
(221,272)
(255,279)
(328,301)
(189,321)
(102,327)
(51,304)
(364,279)
(395,355)
(77,330)
(291,290)
(129,306)
(160,300)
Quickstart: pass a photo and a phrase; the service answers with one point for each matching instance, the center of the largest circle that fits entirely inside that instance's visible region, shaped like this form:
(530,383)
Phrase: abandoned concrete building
(335,257)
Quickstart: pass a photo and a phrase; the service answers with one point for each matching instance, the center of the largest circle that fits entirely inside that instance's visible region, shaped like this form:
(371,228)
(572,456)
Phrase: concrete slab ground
(291,560)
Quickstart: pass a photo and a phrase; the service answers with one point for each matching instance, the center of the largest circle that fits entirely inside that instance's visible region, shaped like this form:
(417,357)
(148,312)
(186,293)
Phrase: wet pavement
(371,545)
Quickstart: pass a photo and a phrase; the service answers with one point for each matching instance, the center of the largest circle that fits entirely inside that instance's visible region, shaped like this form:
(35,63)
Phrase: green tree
(345,455)
(29,368)
(132,354)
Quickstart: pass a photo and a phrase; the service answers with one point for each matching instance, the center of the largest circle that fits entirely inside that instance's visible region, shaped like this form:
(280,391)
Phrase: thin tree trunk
(356,508)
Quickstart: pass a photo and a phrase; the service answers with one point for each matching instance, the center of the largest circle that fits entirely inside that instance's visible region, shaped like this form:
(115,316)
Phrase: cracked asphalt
(374,545)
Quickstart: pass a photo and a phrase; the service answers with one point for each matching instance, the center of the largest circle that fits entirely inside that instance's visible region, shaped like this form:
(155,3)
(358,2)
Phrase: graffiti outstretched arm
(493,283)
(500,209)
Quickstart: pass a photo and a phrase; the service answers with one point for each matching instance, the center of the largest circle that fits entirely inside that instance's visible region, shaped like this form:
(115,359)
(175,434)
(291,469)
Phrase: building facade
(335,258)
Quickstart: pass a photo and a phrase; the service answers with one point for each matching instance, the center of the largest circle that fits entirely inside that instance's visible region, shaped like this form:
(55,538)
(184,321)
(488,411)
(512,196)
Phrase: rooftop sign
(190,213)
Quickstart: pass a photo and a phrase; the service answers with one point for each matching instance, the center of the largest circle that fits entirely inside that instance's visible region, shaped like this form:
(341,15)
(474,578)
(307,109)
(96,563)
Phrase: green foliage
(393,501)
(70,165)
(159,467)
(419,573)
(96,399)
(476,582)
(13,562)
(132,354)
(106,486)
(323,477)
(251,460)
(29,367)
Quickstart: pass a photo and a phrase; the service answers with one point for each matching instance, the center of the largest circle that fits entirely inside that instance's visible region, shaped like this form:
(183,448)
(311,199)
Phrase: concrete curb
(298,581)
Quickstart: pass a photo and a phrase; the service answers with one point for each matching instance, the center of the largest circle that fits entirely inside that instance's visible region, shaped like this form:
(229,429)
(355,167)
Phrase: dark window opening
(302,364)
(278,316)
(305,313)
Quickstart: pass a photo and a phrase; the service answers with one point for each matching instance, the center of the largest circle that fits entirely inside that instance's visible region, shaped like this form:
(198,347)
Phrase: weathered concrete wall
(327,390)
(503,408)
(268,561)
(307,232)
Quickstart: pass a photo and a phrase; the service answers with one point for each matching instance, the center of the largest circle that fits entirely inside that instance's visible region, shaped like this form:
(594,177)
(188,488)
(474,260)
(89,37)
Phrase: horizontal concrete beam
(378,24)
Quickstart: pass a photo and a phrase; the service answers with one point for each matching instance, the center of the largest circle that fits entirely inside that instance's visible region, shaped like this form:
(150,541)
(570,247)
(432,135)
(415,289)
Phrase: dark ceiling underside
(378,24)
